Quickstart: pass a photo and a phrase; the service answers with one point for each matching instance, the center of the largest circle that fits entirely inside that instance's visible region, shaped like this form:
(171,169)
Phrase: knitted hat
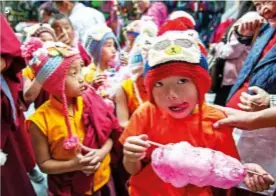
(36,29)
(95,39)
(49,61)
(185,24)
(177,54)
(138,54)
(134,27)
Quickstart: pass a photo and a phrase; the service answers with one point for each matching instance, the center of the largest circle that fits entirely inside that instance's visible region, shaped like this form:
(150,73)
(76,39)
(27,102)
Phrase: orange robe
(164,129)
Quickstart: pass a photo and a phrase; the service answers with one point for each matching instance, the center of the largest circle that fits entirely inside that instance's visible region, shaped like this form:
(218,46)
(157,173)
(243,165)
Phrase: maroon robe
(14,178)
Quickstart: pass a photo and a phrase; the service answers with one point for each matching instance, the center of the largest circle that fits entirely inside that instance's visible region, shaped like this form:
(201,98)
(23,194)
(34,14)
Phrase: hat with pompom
(177,54)
(49,62)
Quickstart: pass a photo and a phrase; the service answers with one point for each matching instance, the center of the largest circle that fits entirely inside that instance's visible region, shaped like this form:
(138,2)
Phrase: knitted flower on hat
(50,62)
(177,54)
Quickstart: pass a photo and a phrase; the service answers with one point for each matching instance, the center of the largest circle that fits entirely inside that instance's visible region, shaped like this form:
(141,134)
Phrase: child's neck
(103,66)
(70,103)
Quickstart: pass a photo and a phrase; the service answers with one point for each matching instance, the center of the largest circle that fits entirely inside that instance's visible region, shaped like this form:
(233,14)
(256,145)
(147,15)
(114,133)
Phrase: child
(102,45)
(132,92)
(131,32)
(65,33)
(177,79)
(59,128)
(32,90)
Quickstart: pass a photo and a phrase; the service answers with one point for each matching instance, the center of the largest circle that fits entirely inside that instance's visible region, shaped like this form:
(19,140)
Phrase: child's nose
(171,94)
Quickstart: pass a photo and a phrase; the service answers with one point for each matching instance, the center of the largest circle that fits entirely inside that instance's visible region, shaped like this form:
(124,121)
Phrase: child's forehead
(174,77)
(76,64)
(109,40)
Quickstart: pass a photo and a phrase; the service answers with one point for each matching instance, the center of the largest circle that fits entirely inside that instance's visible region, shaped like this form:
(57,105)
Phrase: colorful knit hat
(177,54)
(49,62)
(95,39)
(36,29)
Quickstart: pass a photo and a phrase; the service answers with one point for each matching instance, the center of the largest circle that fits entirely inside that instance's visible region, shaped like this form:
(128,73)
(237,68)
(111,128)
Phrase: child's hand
(135,148)
(255,182)
(87,165)
(99,80)
(92,153)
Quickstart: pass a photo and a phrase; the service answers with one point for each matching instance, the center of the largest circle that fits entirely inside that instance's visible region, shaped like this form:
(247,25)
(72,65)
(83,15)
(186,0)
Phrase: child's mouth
(179,108)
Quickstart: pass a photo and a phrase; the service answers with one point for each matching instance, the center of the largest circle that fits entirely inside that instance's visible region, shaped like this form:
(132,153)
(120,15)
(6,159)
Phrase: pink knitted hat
(49,62)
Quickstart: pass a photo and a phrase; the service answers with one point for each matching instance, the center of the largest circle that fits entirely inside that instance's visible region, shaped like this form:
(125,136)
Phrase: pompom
(70,143)
(178,24)
(29,47)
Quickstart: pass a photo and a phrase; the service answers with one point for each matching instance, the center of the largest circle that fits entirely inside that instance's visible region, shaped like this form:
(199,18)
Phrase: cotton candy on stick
(181,164)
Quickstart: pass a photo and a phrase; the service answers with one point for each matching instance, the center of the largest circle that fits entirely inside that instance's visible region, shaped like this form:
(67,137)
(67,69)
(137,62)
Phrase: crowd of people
(99,104)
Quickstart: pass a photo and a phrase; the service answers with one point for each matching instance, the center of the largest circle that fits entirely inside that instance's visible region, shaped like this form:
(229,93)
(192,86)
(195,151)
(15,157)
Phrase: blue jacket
(260,73)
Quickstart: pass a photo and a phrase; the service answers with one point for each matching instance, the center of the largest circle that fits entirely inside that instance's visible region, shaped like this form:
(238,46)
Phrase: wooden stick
(256,173)
(157,144)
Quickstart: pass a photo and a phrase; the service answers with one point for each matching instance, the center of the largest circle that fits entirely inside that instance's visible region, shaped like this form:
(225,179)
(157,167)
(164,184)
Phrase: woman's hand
(257,183)
(259,101)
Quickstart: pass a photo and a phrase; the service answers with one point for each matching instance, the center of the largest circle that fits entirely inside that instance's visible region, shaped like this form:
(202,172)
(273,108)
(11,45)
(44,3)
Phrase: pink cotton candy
(181,164)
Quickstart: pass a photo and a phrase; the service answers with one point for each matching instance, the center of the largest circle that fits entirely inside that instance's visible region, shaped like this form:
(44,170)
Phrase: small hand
(135,148)
(99,80)
(255,182)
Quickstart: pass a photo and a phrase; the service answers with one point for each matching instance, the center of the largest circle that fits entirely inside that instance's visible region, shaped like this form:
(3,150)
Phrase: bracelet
(243,39)
(272,101)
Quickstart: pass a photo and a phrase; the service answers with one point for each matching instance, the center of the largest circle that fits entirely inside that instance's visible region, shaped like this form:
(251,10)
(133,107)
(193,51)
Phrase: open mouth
(272,17)
(179,108)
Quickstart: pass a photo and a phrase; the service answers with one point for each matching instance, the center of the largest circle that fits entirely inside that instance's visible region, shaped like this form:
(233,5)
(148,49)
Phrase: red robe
(14,140)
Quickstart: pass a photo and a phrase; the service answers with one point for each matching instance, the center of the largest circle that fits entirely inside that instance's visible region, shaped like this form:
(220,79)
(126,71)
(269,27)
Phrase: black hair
(245,6)
(59,16)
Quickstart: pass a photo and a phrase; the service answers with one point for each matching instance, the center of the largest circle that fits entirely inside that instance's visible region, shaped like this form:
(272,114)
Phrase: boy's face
(45,36)
(175,95)
(74,82)
(64,31)
(267,9)
(108,52)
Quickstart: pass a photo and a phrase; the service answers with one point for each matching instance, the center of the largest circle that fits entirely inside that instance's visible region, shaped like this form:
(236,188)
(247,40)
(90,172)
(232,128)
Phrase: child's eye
(74,73)
(182,81)
(158,84)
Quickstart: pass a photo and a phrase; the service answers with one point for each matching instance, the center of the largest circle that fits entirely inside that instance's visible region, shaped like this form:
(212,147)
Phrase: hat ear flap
(203,62)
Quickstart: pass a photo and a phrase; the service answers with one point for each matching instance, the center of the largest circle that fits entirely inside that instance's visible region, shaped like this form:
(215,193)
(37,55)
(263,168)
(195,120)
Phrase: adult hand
(257,183)
(249,27)
(235,118)
(258,101)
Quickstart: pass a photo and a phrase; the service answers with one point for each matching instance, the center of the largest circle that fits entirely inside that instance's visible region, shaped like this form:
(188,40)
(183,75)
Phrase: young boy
(61,127)
(176,77)
(102,45)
